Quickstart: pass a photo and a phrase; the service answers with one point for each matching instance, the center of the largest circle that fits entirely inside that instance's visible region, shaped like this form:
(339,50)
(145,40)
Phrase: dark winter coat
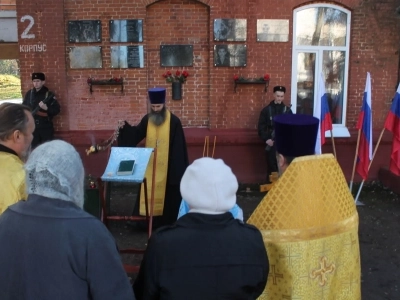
(266,120)
(204,257)
(43,118)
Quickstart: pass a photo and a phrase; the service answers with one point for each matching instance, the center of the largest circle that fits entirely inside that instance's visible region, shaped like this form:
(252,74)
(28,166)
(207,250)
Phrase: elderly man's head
(55,170)
(16,128)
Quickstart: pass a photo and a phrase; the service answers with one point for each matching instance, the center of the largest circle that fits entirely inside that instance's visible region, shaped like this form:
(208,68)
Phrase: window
(321,35)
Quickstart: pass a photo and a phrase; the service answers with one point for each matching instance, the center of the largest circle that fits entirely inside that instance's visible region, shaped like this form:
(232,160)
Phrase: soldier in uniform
(266,127)
(44,107)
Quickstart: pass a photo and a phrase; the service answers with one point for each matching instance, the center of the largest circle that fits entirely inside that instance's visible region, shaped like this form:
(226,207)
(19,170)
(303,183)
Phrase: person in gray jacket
(51,248)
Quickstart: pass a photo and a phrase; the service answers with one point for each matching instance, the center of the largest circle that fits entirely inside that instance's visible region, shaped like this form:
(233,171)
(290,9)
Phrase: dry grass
(10,87)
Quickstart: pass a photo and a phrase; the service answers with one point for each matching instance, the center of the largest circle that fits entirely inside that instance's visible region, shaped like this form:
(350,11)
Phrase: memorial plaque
(84,31)
(272,30)
(127,57)
(176,55)
(88,57)
(230,30)
(126,31)
(231,55)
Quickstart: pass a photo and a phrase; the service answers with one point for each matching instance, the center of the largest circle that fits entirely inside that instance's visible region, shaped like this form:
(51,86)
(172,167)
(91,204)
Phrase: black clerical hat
(295,135)
(157,95)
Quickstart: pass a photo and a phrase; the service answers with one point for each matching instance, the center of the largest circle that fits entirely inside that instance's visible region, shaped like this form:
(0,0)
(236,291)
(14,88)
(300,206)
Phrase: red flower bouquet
(177,77)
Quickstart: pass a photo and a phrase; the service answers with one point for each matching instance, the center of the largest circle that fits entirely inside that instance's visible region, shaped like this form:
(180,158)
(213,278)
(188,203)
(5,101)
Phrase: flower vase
(176,90)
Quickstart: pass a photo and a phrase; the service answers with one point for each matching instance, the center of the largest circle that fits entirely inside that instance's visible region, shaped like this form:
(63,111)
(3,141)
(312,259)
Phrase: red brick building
(344,39)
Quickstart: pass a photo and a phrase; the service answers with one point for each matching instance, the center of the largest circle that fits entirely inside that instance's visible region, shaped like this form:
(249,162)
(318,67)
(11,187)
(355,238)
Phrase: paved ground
(379,235)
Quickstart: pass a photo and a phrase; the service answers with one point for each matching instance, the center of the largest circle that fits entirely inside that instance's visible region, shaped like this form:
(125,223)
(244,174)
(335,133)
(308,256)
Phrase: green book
(126,167)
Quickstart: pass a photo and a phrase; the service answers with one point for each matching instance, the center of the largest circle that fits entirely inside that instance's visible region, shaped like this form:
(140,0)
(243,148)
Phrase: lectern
(142,157)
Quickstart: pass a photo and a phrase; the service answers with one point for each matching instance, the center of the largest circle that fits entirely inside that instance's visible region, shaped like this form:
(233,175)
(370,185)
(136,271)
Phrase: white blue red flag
(392,124)
(323,114)
(364,124)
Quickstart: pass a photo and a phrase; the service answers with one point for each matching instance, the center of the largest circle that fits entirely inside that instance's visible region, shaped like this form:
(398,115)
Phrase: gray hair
(55,170)
(12,118)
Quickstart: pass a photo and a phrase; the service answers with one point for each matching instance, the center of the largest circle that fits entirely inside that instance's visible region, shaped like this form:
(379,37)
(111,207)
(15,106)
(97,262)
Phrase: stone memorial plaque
(127,57)
(88,57)
(126,31)
(231,55)
(84,31)
(230,30)
(176,55)
(272,30)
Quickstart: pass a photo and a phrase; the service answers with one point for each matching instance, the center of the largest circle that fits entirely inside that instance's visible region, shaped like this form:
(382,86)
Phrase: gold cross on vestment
(322,271)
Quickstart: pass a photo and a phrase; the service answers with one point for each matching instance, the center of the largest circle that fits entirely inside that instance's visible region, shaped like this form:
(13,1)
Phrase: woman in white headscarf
(50,247)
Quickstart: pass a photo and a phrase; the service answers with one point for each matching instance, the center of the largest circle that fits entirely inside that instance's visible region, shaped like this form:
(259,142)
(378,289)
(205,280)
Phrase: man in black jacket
(266,127)
(44,107)
(206,254)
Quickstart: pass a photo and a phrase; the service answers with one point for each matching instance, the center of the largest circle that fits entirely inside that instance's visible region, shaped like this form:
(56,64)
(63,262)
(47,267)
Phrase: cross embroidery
(351,282)
(290,257)
(274,275)
(322,271)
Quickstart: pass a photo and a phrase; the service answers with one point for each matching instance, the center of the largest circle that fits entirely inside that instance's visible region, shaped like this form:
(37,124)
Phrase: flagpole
(359,191)
(376,147)
(370,163)
(355,162)
(333,144)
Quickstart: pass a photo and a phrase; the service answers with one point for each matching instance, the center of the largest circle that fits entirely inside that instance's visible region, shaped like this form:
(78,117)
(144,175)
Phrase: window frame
(339,130)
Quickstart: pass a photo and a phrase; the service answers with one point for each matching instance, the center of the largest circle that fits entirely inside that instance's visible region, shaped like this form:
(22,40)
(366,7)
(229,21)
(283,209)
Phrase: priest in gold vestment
(162,130)
(308,220)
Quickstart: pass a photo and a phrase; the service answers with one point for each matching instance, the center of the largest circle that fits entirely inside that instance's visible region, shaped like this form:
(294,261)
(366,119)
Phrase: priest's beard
(157,118)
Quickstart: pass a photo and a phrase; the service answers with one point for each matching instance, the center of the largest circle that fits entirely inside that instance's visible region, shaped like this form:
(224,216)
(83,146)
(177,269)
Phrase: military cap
(279,88)
(38,76)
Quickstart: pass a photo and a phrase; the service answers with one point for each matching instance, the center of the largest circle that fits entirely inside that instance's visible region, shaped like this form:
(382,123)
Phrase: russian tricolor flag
(364,124)
(323,114)
(392,124)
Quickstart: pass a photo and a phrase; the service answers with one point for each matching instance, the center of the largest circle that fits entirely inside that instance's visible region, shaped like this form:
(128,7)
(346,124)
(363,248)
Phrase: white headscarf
(55,170)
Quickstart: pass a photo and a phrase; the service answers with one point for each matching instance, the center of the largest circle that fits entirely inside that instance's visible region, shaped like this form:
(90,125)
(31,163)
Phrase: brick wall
(44,52)
(375,40)
(7,5)
(209,100)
